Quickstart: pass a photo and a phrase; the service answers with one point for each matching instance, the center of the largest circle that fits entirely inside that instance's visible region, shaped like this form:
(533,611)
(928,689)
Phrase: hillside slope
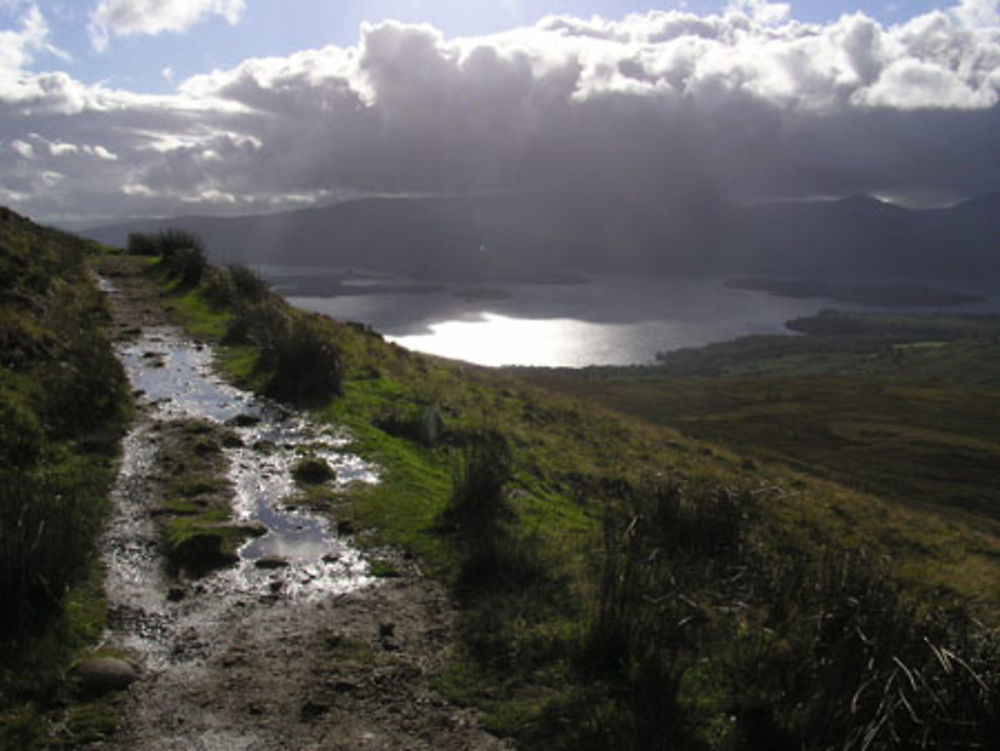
(619,584)
(63,406)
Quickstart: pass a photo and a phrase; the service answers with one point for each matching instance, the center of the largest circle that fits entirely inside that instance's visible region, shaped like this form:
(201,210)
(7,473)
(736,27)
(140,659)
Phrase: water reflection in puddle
(175,376)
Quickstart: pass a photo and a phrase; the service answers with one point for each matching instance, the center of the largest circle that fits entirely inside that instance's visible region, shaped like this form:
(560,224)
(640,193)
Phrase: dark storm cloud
(744,104)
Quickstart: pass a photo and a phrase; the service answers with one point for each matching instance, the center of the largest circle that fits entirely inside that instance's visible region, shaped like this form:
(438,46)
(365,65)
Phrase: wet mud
(296,645)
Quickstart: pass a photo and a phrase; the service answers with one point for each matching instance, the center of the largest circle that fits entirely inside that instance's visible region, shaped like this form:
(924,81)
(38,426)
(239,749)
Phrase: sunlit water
(609,319)
(175,376)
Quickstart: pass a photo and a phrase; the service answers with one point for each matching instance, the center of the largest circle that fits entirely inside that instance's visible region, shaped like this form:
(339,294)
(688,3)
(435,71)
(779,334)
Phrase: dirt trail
(252,662)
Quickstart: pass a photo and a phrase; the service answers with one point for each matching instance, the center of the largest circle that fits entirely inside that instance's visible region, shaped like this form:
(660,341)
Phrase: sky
(112,109)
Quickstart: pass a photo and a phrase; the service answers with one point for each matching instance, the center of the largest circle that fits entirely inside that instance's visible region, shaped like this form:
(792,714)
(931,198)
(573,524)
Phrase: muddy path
(293,646)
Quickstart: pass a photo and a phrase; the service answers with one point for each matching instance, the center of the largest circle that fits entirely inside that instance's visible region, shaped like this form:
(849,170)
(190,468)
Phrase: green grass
(64,404)
(602,512)
(927,444)
(196,515)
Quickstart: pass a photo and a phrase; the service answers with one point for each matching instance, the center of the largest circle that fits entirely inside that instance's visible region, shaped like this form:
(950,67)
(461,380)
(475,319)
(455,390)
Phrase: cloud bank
(749,103)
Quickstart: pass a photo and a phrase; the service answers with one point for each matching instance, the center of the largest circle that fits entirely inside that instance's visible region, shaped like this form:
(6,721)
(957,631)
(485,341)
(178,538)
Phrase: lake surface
(606,320)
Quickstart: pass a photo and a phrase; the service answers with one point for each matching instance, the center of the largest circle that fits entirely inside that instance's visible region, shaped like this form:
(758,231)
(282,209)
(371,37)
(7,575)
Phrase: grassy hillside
(63,406)
(622,585)
(901,406)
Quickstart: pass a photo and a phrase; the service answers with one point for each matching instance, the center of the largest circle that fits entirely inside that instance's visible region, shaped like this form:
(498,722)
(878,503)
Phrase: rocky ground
(263,666)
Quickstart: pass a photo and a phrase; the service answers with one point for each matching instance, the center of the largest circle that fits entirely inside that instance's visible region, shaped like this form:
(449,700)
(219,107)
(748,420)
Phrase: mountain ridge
(527,235)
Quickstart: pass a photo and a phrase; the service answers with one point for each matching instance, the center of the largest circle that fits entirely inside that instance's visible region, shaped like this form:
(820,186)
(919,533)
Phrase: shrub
(181,253)
(247,284)
(495,555)
(306,364)
(140,244)
(478,504)
(187,264)
(236,286)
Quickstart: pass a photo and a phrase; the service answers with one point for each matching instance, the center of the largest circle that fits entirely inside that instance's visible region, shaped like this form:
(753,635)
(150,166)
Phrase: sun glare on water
(495,340)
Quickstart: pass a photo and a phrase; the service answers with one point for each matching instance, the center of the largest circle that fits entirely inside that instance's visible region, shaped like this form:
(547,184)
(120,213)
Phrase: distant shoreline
(882,295)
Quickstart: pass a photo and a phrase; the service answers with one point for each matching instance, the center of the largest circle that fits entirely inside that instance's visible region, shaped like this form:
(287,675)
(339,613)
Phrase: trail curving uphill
(294,646)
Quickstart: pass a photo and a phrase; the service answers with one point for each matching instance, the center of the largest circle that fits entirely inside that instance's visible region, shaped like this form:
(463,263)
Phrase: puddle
(175,380)
(175,376)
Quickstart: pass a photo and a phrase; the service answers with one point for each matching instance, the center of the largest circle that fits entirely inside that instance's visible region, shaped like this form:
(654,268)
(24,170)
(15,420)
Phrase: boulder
(99,675)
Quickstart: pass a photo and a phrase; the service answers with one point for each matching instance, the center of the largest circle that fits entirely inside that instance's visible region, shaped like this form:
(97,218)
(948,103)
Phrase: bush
(495,556)
(140,244)
(306,364)
(478,503)
(236,286)
(181,253)
(298,358)
(247,284)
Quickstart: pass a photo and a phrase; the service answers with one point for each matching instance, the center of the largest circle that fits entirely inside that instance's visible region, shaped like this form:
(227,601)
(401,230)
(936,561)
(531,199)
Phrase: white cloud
(102,153)
(979,13)
(762,11)
(60,148)
(912,84)
(131,17)
(17,47)
(24,149)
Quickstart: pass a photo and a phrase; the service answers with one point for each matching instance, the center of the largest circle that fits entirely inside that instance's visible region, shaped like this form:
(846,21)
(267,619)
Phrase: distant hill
(531,235)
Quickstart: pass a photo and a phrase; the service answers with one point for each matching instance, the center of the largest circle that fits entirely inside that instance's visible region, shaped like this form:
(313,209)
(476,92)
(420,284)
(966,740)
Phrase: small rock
(99,675)
(243,420)
(311,710)
(386,630)
(270,562)
(330,558)
(175,594)
(342,686)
